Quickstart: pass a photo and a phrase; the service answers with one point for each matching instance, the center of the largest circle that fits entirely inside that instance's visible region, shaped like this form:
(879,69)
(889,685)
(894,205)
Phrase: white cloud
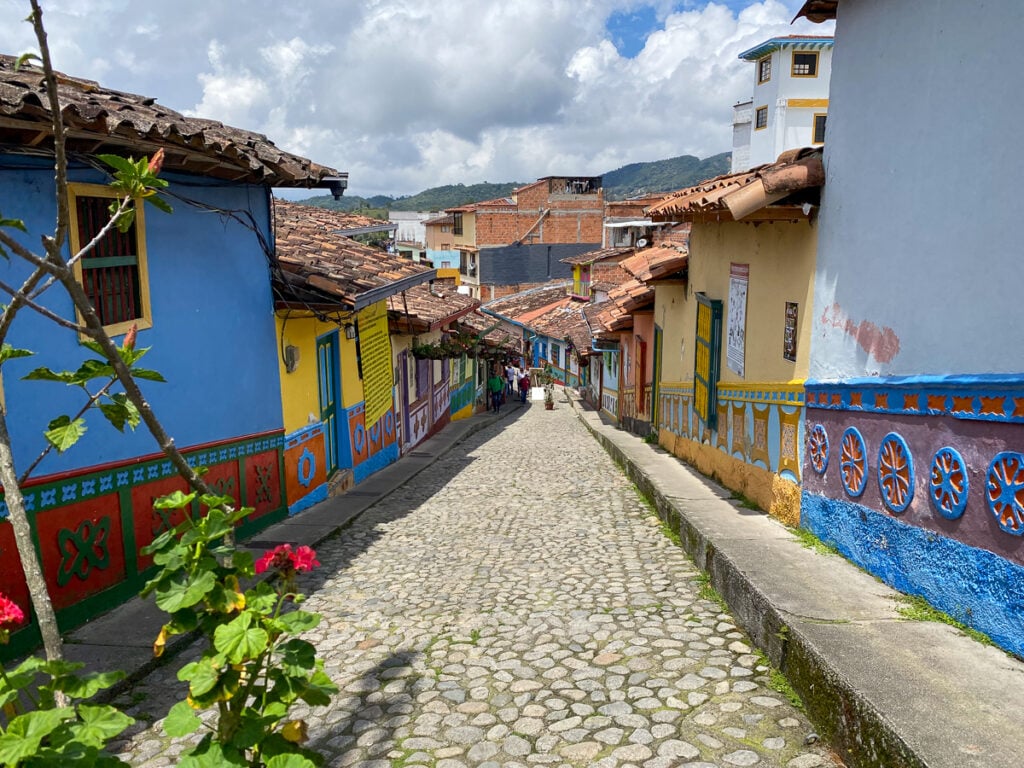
(408,94)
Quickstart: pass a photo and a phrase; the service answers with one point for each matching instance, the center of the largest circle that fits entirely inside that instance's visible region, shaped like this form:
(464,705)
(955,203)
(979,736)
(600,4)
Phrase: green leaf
(295,622)
(148,375)
(262,598)
(118,163)
(121,411)
(94,346)
(182,592)
(290,761)
(26,732)
(181,720)
(88,685)
(45,374)
(176,500)
(156,201)
(13,224)
(211,754)
(297,655)
(99,724)
(64,433)
(202,676)
(25,58)
(92,369)
(7,352)
(240,641)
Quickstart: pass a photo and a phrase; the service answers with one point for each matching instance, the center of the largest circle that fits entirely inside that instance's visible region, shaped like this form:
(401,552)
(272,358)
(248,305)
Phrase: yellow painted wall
(300,397)
(781,257)
(468,236)
(670,315)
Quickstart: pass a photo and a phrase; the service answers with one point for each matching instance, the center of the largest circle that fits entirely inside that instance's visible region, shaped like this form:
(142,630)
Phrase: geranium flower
(287,561)
(10,614)
(305,559)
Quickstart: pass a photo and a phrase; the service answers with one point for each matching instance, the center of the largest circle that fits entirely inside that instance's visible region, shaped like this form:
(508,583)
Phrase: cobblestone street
(517,604)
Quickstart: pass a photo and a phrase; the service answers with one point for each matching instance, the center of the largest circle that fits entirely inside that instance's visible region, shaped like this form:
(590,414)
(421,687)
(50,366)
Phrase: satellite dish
(641,242)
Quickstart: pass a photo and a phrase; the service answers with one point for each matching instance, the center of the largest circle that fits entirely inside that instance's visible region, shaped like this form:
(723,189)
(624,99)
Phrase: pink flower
(10,614)
(305,559)
(156,162)
(286,561)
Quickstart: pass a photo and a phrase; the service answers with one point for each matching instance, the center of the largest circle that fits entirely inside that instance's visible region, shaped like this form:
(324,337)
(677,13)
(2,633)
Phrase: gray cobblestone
(516,605)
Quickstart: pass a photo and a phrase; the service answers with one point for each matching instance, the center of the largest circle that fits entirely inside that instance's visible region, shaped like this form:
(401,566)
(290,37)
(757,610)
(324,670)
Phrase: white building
(790,102)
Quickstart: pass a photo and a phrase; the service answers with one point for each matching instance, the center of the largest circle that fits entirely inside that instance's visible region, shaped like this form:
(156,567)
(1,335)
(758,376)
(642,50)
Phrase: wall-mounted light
(350,331)
(291,358)
(336,184)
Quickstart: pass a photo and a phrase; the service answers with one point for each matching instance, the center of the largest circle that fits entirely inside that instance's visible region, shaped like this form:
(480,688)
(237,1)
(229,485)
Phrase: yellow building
(336,360)
(735,338)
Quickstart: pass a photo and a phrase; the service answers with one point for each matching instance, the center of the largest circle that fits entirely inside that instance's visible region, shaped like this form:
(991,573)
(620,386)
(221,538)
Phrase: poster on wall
(375,352)
(736,327)
(789,337)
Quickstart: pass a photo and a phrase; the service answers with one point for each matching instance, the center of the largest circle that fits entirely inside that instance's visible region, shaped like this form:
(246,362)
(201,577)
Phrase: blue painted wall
(974,586)
(212,335)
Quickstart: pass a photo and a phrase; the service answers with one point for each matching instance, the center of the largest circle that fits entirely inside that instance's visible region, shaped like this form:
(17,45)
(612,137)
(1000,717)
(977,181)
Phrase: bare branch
(59,148)
(49,446)
(23,301)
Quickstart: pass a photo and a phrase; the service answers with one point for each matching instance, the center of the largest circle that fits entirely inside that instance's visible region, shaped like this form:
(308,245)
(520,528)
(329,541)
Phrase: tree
(134,181)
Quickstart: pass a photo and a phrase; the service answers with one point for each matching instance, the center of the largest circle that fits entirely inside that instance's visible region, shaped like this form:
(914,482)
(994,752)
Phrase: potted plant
(549,396)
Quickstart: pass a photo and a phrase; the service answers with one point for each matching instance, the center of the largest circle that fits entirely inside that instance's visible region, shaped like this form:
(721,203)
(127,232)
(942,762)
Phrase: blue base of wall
(375,463)
(974,586)
(315,496)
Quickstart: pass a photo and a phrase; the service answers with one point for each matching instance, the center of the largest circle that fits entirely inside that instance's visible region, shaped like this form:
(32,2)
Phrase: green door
(327,372)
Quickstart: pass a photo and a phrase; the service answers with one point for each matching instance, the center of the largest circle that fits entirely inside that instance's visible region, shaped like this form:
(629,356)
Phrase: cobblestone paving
(515,605)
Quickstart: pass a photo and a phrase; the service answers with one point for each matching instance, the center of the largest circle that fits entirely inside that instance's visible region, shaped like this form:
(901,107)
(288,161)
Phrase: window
(761,118)
(556,355)
(819,129)
(805,64)
(457,224)
(764,69)
(113,273)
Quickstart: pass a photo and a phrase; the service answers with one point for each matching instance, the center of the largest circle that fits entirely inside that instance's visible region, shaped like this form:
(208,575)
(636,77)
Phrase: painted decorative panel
(82,550)
(419,423)
(305,468)
(739,437)
(148,522)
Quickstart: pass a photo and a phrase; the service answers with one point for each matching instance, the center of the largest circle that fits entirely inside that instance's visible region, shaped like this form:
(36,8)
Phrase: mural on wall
(887,486)
(375,360)
(373,447)
(91,525)
(736,327)
(305,468)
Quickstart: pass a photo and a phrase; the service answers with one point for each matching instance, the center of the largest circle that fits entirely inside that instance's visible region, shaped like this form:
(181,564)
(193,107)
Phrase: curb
(851,723)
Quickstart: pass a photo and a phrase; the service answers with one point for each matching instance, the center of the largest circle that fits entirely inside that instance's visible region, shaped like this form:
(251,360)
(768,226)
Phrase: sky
(410,94)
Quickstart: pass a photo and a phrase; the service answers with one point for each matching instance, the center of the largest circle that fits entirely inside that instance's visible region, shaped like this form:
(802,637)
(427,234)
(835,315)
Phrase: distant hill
(628,181)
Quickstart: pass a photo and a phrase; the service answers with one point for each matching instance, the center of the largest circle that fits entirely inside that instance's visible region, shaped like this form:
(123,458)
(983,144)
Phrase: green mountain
(628,181)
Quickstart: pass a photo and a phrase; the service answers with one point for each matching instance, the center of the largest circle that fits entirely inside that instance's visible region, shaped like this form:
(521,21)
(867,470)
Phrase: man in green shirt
(496,385)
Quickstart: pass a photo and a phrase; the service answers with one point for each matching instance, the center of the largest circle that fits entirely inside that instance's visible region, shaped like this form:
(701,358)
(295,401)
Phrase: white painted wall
(921,220)
(788,127)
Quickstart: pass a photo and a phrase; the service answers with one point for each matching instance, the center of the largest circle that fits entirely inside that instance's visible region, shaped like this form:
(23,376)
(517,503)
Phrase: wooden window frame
(757,114)
(792,63)
(814,128)
(145,318)
(457,224)
(763,65)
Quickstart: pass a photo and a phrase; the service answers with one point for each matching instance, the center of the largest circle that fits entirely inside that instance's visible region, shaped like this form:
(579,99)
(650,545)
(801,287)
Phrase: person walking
(496,386)
(524,386)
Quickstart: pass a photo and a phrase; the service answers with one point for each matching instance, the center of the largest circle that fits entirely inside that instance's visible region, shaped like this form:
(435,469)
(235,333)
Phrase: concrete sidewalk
(884,691)
(123,638)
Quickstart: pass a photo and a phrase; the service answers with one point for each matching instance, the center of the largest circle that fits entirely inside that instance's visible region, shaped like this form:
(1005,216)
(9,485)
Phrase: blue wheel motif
(853,462)
(949,485)
(817,449)
(306,467)
(359,438)
(895,473)
(1005,491)
(389,423)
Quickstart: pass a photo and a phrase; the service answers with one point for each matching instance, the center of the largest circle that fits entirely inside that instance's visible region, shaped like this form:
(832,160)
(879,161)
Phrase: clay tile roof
(655,263)
(602,253)
(318,265)
(524,306)
(433,306)
(739,194)
(623,300)
(498,202)
(818,10)
(99,119)
(438,220)
(502,335)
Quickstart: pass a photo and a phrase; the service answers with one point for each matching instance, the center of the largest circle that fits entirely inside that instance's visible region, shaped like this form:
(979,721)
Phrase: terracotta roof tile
(332,267)
(529,303)
(794,170)
(103,120)
(599,255)
(655,263)
(432,306)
